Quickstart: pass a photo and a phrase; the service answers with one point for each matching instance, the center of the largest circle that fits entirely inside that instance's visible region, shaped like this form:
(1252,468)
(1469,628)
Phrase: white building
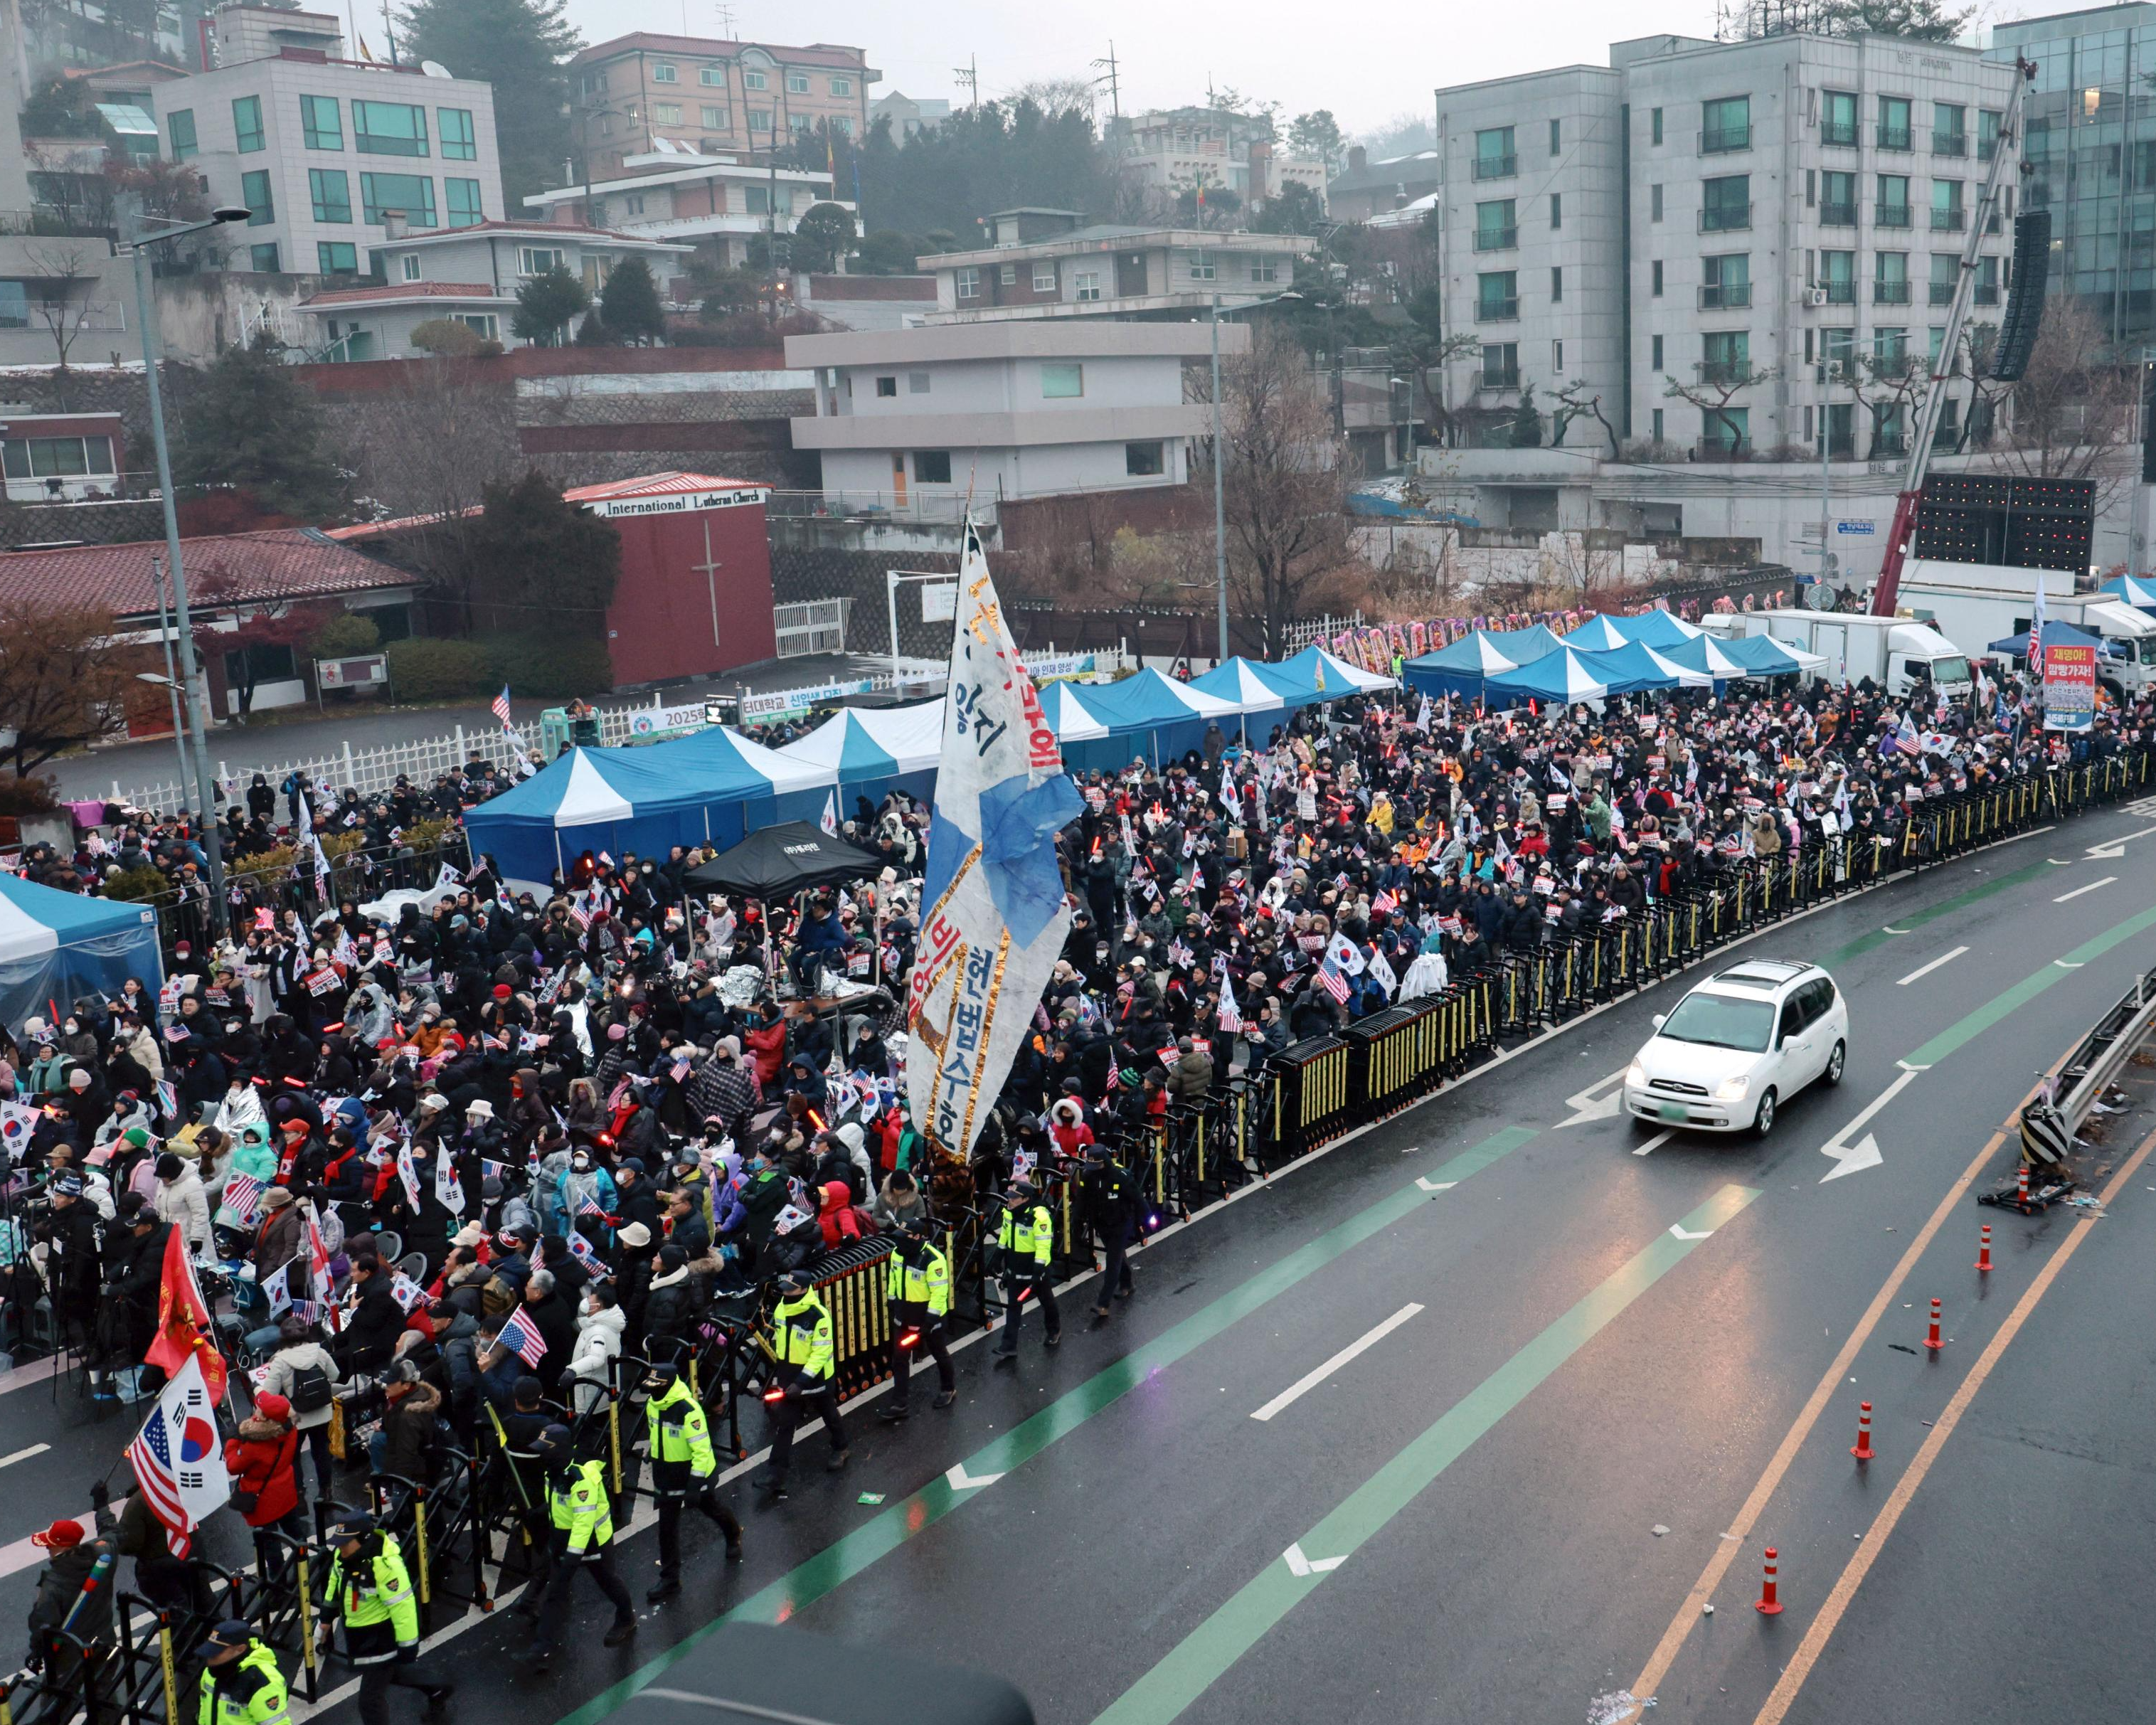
(324,149)
(1775,225)
(716,205)
(1175,150)
(1004,409)
(909,115)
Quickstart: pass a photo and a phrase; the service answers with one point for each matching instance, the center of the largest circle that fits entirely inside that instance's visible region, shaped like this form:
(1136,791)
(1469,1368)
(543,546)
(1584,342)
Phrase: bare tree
(63,303)
(1057,96)
(2074,407)
(1579,399)
(1714,389)
(63,679)
(1892,388)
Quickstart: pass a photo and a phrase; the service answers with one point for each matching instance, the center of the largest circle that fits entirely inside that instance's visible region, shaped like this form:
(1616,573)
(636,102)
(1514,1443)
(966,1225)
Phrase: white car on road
(1738,1046)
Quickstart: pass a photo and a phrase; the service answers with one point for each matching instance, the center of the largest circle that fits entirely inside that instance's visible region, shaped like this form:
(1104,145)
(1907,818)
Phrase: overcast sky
(1374,62)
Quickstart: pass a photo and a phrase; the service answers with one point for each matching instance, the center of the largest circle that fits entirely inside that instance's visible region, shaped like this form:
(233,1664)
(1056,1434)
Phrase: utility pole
(969,74)
(1109,78)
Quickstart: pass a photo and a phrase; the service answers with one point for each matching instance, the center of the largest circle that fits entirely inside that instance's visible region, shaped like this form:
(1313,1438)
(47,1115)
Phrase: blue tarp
(2056,633)
(57,946)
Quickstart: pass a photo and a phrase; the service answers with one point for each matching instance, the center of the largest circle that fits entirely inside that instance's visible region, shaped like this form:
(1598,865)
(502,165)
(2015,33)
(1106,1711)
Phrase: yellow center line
(1875,1541)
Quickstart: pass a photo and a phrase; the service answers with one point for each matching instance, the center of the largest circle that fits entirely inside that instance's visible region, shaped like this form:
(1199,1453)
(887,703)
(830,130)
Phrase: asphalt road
(1612,1368)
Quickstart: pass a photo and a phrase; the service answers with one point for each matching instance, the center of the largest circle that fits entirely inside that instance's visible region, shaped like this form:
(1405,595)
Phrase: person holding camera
(684,1471)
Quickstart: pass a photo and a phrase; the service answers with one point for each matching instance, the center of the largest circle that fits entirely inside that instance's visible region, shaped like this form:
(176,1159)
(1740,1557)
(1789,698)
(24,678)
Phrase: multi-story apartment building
(1179,150)
(1773,226)
(2090,143)
(324,151)
(719,205)
(709,96)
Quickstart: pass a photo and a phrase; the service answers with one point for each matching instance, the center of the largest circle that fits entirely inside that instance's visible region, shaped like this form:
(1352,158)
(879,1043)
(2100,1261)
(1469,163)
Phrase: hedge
(546,667)
(425,670)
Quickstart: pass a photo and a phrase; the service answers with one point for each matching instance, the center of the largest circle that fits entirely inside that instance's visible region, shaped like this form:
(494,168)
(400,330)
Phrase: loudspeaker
(2024,305)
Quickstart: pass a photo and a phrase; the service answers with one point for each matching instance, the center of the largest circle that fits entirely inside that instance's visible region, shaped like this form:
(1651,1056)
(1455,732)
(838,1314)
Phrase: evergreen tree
(1912,20)
(247,422)
(544,304)
(1527,423)
(518,47)
(532,551)
(629,304)
(821,235)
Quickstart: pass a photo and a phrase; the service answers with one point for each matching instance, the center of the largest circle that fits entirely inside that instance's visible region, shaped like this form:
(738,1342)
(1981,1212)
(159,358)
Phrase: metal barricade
(1394,1055)
(1312,1099)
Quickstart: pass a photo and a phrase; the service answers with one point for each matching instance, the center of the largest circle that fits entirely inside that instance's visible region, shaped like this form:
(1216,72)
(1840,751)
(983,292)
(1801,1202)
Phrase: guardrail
(2095,1064)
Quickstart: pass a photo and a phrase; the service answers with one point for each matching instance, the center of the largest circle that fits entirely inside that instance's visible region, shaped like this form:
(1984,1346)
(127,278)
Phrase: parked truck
(1896,654)
(1974,604)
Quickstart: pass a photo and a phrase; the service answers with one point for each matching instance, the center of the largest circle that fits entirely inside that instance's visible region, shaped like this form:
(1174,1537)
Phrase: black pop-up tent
(778,860)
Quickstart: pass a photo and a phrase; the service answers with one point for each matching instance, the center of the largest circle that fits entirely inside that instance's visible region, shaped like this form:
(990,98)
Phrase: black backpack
(310,1390)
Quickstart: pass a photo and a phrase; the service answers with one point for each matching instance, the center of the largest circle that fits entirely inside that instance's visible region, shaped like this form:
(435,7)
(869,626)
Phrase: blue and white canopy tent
(874,751)
(2057,633)
(2132,588)
(1251,686)
(55,946)
(1564,675)
(1600,634)
(1656,629)
(1461,668)
(1158,717)
(1316,674)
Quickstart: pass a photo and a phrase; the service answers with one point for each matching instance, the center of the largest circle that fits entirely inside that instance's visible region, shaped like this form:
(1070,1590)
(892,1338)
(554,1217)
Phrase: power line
(969,74)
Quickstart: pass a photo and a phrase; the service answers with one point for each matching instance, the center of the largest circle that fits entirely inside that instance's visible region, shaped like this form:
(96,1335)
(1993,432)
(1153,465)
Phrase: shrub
(347,636)
(447,337)
(438,670)
(144,885)
(549,667)
(30,794)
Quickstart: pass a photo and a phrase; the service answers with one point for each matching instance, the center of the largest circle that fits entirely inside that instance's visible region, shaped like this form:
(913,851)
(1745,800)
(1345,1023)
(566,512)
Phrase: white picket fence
(1317,630)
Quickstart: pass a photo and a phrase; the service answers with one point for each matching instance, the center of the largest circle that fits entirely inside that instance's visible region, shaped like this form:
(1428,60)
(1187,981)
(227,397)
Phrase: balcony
(1497,310)
(1841,449)
(1840,293)
(1837,215)
(1714,449)
(1496,167)
(1986,148)
(1987,295)
(1890,293)
(1949,143)
(1889,444)
(1725,296)
(1949,221)
(1838,134)
(1721,140)
(1725,219)
(1941,293)
(1507,377)
(1496,239)
(1892,215)
(1896,138)
(1721,374)
(1830,372)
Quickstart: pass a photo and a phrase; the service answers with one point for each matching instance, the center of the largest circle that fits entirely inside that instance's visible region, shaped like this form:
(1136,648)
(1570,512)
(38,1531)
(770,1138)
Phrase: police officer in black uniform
(1111,1206)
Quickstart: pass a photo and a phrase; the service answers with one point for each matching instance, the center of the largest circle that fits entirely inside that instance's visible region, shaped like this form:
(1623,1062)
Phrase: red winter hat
(61,1536)
(501,991)
(272,1406)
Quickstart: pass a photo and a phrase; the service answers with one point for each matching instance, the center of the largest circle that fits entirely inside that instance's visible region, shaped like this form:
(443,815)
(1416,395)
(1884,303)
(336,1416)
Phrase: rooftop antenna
(726,18)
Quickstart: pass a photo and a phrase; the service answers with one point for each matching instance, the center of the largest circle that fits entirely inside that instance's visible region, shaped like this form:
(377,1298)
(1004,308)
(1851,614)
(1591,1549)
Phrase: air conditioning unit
(1816,296)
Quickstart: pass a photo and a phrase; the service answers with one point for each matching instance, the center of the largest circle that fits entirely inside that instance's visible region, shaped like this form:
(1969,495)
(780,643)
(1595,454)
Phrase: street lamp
(198,704)
(1219,485)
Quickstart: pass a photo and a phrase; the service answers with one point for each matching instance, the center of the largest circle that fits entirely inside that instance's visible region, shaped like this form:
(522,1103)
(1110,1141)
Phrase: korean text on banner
(2069,687)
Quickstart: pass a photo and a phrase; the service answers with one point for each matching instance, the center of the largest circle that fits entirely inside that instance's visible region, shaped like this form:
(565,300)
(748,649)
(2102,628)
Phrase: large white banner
(993,917)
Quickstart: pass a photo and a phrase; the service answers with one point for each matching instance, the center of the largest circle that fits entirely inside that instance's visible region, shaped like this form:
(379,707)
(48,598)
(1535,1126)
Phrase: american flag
(500,708)
(1385,901)
(588,1205)
(1231,1015)
(151,1456)
(1330,979)
(243,1196)
(522,1335)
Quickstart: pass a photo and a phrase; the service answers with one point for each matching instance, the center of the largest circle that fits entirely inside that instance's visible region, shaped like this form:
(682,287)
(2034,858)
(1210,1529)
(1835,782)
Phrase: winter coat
(182,1202)
(598,1345)
(670,1313)
(279,1375)
(408,1431)
(259,1460)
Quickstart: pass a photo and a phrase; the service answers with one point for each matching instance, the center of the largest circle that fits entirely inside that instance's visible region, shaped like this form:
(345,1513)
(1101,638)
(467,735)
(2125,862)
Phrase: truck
(1897,654)
(1974,604)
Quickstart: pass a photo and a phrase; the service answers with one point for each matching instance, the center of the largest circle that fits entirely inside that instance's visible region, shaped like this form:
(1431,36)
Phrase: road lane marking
(2079,891)
(24,1455)
(1298,1564)
(961,1481)
(37,1372)
(1430,1185)
(1874,1539)
(1195,1663)
(1919,974)
(1689,1614)
(1361,1345)
(1853,1158)
(1590,1104)
(1945,907)
(1660,1138)
(2111,849)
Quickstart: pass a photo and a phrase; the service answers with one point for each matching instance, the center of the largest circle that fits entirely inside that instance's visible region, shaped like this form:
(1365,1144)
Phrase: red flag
(183,1322)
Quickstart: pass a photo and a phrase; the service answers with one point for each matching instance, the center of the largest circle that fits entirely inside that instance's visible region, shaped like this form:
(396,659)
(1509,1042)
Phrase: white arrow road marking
(2113,849)
(1590,1104)
(1885,929)
(1298,1564)
(961,1481)
(1686,1233)
(1661,1137)
(1311,1380)
(2079,891)
(2067,964)
(2059,862)
(1848,1158)
(1926,970)
(1430,1185)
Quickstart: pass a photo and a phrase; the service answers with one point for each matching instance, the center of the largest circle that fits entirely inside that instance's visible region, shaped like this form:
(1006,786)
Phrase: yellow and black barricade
(1394,1055)
(1312,1099)
(854,1284)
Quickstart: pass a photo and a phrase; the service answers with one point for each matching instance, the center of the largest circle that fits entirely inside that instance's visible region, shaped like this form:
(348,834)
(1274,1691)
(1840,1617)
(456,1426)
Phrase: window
(1838,276)
(1145,460)
(1894,208)
(1557,136)
(1726,282)
(1264,269)
(797,83)
(1556,209)
(1497,227)
(1044,276)
(1497,297)
(1725,204)
(1935,344)
(1494,157)
(1729,429)
(180,127)
(261,203)
(1654,203)
(1556,283)
(336,257)
(1890,286)
(1061,380)
(1987,281)
(887,387)
(465,211)
(1500,365)
(759,120)
(1657,274)
(1655,362)
(665,72)
(1894,123)
(1557,359)
(754,80)
(1987,133)
(756,200)
(247,123)
(917,382)
(969,282)
(1838,118)
(388,128)
(1654,131)
(1725,124)
(1949,129)
(842,86)
(715,119)
(931,467)
(712,77)
(483,322)
(1086,284)
(331,194)
(412,193)
(662,114)
(57,457)
(460,139)
(1948,216)
(263,258)
(1725,356)
(538,260)
(1837,199)
(1202,266)
(321,122)
(408,267)
(840,125)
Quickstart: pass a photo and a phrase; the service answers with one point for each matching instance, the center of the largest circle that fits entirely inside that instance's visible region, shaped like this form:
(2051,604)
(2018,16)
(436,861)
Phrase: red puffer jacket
(259,1460)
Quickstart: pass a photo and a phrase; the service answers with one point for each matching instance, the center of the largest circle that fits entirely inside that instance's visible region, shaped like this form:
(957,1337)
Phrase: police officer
(240,1683)
(582,1518)
(371,1591)
(1026,1238)
(683,1471)
(806,1376)
(1111,1206)
(919,1293)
